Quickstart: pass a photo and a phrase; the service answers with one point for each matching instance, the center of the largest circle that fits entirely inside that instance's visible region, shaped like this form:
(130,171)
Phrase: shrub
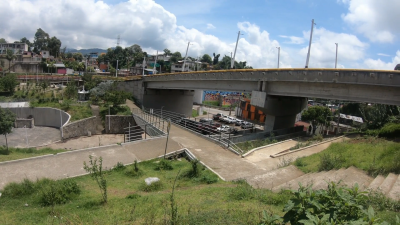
(390,130)
(300,162)
(194,171)
(26,187)
(164,164)
(119,166)
(133,196)
(243,191)
(155,186)
(58,192)
(329,162)
(96,172)
(207,178)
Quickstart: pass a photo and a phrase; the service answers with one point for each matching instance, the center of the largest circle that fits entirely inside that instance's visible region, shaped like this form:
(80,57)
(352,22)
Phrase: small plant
(328,162)
(155,186)
(243,191)
(119,166)
(133,196)
(134,171)
(194,171)
(96,172)
(164,164)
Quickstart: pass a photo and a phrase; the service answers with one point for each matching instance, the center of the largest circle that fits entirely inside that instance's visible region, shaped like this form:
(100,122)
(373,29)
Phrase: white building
(17,48)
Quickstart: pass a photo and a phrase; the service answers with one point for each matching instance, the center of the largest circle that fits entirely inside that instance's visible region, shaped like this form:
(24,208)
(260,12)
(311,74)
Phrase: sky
(367,31)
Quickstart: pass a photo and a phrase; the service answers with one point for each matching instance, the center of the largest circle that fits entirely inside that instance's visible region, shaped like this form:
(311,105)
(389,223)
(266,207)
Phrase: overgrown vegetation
(195,113)
(190,202)
(249,145)
(21,153)
(374,155)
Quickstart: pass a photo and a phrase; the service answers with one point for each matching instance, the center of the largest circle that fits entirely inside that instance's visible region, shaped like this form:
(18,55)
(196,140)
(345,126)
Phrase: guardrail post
(145,134)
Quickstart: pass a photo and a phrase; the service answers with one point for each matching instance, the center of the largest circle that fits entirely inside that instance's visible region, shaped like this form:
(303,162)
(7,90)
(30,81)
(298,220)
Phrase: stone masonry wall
(80,127)
(118,123)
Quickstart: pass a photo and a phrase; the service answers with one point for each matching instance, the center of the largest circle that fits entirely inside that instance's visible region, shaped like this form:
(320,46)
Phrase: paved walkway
(225,163)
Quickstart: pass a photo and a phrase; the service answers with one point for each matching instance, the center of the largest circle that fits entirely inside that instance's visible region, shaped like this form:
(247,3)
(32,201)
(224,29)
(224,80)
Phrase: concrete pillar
(198,96)
(179,101)
(280,111)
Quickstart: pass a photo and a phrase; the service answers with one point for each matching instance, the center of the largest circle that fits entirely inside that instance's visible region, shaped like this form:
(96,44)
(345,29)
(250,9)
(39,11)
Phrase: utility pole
(309,46)
(184,61)
(116,71)
(234,54)
(336,55)
(155,64)
(144,62)
(279,52)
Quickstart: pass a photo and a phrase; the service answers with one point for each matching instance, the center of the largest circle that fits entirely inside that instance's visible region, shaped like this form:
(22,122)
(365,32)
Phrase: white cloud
(379,64)
(293,39)
(210,26)
(323,48)
(377,20)
(382,54)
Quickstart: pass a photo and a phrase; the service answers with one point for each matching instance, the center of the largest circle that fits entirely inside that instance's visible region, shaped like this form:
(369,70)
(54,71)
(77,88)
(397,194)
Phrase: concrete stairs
(288,178)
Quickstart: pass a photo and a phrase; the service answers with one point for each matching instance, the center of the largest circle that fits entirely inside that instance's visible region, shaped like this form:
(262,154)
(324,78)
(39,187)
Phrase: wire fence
(209,129)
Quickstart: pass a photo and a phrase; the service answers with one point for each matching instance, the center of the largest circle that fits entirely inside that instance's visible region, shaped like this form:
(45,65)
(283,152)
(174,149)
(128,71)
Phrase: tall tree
(26,41)
(167,52)
(7,119)
(215,60)
(206,58)
(316,115)
(8,83)
(41,41)
(176,56)
(3,41)
(10,57)
(54,45)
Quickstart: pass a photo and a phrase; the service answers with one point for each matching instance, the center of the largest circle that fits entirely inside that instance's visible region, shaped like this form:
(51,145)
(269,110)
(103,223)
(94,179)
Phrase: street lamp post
(309,46)
(336,55)
(234,54)
(279,53)
(144,62)
(184,61)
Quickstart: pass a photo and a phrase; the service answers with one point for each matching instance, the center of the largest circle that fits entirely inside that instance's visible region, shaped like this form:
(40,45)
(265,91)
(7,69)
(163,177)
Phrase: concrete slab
(265,153)
(30,137)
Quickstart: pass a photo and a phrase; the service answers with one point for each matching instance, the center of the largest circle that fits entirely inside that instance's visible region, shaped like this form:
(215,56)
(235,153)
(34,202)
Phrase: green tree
(3,41)
(206,58)
(41,41)
(316,115)
(77,56)
(51,66)
(10,57)
(167,52)
(26,41)
(115,98)
(176,56)
(71,91)
(96,172)
(8,83)
(216,59)
(7,119)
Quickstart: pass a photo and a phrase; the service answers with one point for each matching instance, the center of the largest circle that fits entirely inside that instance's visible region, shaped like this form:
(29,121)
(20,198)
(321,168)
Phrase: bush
(329,162)
(207,179)
(26,187)
(155,186)
(243,191)
(118,167)
(58,192)
(164,164)
(134,171)
(390,130)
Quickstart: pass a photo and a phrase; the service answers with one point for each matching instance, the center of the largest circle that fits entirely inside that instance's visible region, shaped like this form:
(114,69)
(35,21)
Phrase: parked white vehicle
(231,120)
(238,122)
(223,128)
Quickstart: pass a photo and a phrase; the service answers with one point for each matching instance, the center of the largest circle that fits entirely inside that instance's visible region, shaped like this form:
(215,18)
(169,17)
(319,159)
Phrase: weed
(300,162)
(283,162)
(119,166)
(243,191)
(133,196)
(155,186)
(164,164)
(329,162)
(14,190)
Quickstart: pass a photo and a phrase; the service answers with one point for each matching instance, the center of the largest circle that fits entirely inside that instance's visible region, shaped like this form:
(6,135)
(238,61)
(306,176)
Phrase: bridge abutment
(179,101)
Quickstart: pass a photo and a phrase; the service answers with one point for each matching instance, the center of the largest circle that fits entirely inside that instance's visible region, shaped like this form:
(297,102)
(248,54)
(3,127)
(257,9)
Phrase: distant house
(17,48)
(189,66)
(60,68)
(45,54)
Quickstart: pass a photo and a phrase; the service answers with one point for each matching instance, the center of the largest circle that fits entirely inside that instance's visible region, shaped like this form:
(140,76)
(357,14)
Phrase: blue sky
(367,30)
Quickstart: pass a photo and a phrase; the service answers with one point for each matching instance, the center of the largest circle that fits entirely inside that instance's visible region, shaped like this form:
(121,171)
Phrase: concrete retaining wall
(278,134)
(135,87)
(81,128)
(43,116)
(118,123)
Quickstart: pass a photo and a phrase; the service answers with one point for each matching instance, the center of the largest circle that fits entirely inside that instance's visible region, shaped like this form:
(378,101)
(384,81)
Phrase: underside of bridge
(179,101)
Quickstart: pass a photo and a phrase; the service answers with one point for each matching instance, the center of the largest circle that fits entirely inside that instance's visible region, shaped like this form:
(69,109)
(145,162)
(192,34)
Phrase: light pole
(336,55)
(184,61)
(279,53)
(234,54)
(144,62)
(309,45)
(116,71)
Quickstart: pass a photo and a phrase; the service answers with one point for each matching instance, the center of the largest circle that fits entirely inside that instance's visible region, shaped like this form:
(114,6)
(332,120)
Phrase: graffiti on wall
(224,97)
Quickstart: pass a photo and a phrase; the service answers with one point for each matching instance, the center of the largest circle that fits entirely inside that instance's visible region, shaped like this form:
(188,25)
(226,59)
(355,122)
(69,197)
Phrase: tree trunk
(7,152)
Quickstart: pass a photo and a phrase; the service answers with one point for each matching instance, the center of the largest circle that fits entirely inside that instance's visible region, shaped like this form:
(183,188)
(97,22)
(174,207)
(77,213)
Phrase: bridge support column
(179,101)
(280,111)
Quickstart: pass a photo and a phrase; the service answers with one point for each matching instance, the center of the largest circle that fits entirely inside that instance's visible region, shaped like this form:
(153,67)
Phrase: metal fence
(145,130)
(207,130)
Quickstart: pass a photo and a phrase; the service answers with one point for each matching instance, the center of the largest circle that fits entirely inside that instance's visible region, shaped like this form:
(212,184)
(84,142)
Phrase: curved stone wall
(43,116)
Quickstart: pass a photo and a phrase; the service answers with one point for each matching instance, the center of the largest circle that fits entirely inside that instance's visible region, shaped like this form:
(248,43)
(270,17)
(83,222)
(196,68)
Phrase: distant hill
(86,51)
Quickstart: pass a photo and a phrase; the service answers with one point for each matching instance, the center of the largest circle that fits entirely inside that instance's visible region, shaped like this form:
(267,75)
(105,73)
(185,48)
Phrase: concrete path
(264,153)
(29,137)
(225,163)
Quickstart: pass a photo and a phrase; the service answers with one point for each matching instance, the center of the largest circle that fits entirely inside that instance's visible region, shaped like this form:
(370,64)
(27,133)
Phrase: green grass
(129,203)
(22,153)
(77,111)
(211,103)
(195,113)
(374,155)
(197,202)
(249,145)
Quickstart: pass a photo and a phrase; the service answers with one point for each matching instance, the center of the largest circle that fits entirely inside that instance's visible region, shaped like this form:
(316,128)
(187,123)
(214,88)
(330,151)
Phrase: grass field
(374,155)
(22,153)
(197,202)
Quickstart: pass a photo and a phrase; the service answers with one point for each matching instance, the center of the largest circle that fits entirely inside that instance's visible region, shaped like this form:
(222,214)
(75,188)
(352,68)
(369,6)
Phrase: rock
(151,180)
(89,134)
(26,204)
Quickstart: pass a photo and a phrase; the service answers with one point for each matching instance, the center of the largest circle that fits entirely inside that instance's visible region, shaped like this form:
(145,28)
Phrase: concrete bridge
(280,93)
